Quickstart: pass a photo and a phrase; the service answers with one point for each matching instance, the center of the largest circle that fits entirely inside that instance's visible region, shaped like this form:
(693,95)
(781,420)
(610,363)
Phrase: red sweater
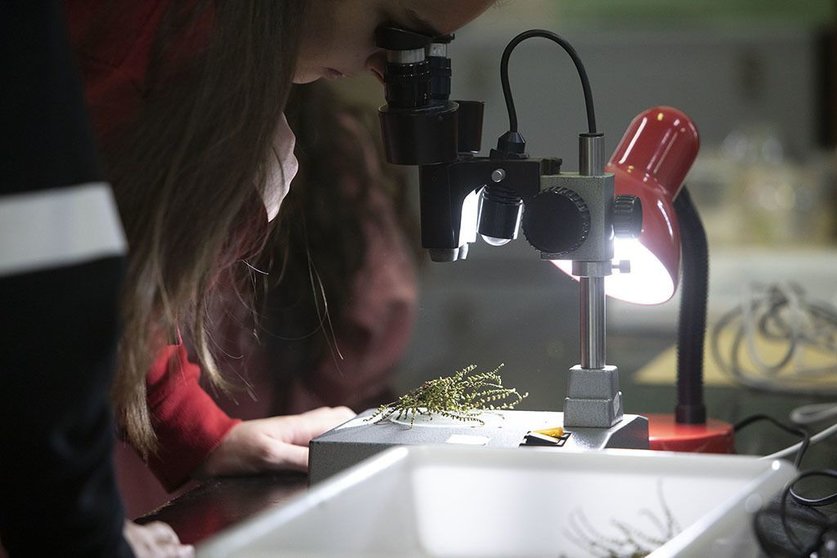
(113,57)
(113,41)
(186,420)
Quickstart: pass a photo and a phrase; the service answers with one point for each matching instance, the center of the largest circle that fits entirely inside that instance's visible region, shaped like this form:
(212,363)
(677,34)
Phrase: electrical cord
(779,313)
(582,74)
(816,438)
(821,525)
(820,529)
(801,447)
(814,502)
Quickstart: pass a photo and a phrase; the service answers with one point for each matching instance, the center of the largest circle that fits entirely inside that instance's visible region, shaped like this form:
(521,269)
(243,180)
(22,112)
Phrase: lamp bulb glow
(648,281)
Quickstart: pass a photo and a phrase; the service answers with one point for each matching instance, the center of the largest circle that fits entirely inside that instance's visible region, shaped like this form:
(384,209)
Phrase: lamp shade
(651,162)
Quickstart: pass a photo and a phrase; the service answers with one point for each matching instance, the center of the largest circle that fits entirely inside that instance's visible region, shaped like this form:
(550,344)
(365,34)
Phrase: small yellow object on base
(556,432)
(554,436)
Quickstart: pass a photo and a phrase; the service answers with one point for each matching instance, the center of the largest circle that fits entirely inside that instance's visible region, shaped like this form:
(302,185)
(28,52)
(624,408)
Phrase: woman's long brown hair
(187,172)
(319,243)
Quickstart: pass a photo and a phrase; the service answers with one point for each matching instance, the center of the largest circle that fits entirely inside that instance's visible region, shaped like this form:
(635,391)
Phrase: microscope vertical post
(592,322)
(592,294)
(593,396)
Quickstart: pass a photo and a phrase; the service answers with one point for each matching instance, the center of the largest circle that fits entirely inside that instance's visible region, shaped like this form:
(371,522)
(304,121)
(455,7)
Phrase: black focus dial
(627,216)
(556,221)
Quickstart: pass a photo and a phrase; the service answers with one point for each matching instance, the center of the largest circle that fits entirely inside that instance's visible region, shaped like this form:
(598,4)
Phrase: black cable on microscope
(582,74)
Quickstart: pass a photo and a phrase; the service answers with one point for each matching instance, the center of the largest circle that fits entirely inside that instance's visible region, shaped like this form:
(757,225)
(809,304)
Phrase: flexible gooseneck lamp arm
(691,330)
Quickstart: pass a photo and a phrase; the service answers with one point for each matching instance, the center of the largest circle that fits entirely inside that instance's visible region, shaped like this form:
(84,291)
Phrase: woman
(334,309)
(339,294)
(187,100)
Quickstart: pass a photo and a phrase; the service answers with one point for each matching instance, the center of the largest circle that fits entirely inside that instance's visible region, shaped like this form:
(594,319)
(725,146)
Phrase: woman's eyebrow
(421,25)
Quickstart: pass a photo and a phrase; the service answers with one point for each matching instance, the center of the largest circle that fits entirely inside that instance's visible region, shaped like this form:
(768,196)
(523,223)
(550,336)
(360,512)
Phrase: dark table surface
(222,502)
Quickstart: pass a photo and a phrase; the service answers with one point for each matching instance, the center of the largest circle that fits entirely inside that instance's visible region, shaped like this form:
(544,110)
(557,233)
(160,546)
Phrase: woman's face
(339,35)
(339,40)
(281,170)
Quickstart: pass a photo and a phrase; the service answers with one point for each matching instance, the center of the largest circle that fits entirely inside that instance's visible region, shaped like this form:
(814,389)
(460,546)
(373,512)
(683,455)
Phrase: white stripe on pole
(58,227)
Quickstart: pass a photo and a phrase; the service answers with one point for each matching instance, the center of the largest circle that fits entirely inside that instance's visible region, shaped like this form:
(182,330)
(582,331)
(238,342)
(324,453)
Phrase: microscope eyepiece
(418,123)
(407,74)
(440,68)
(407,85)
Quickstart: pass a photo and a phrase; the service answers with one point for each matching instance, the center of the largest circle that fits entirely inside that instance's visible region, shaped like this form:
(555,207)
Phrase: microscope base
(361,437)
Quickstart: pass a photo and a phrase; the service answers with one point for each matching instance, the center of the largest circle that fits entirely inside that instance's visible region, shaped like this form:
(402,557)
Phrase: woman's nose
(377,63)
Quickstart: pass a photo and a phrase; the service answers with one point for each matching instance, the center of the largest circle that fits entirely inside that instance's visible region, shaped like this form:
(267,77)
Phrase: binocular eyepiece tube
(420,124)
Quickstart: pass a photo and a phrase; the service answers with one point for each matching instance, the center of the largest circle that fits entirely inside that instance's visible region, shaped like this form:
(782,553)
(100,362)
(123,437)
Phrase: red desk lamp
(650,162)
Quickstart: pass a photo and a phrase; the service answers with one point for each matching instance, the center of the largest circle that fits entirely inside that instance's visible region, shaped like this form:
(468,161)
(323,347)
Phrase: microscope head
(420,124)
(461,193)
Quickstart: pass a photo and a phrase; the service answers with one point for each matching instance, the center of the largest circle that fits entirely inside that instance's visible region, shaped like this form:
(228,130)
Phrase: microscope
(571,218)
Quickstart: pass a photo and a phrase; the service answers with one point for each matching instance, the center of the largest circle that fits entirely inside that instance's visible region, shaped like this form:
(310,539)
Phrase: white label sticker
(466,440)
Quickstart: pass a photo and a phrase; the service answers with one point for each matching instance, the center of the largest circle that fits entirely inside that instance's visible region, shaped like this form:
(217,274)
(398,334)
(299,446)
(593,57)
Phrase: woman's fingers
(161,532)
(313,423)
(271,444)
(155,540)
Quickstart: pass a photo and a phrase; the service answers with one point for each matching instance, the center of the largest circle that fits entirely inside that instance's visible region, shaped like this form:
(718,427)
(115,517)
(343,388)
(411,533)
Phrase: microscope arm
(445,187)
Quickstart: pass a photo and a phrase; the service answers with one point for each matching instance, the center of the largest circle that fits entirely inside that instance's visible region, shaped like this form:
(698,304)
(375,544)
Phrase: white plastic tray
(522,502)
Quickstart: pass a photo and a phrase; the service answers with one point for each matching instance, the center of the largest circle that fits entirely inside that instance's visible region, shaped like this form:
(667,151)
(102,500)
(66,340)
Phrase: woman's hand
(276,443)
(155,540)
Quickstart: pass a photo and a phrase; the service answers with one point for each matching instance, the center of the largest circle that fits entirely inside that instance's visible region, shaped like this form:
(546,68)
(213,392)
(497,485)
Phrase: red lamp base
(665,434)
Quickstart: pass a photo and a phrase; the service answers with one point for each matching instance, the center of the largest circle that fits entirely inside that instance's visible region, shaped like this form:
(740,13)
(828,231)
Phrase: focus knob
(627,216)
(556,221)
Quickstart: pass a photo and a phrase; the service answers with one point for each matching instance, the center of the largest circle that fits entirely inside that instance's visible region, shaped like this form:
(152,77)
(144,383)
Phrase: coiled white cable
(779,313)
(816,412)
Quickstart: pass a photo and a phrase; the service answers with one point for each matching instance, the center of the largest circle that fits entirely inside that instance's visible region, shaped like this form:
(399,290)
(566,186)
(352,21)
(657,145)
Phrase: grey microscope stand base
(360,438)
